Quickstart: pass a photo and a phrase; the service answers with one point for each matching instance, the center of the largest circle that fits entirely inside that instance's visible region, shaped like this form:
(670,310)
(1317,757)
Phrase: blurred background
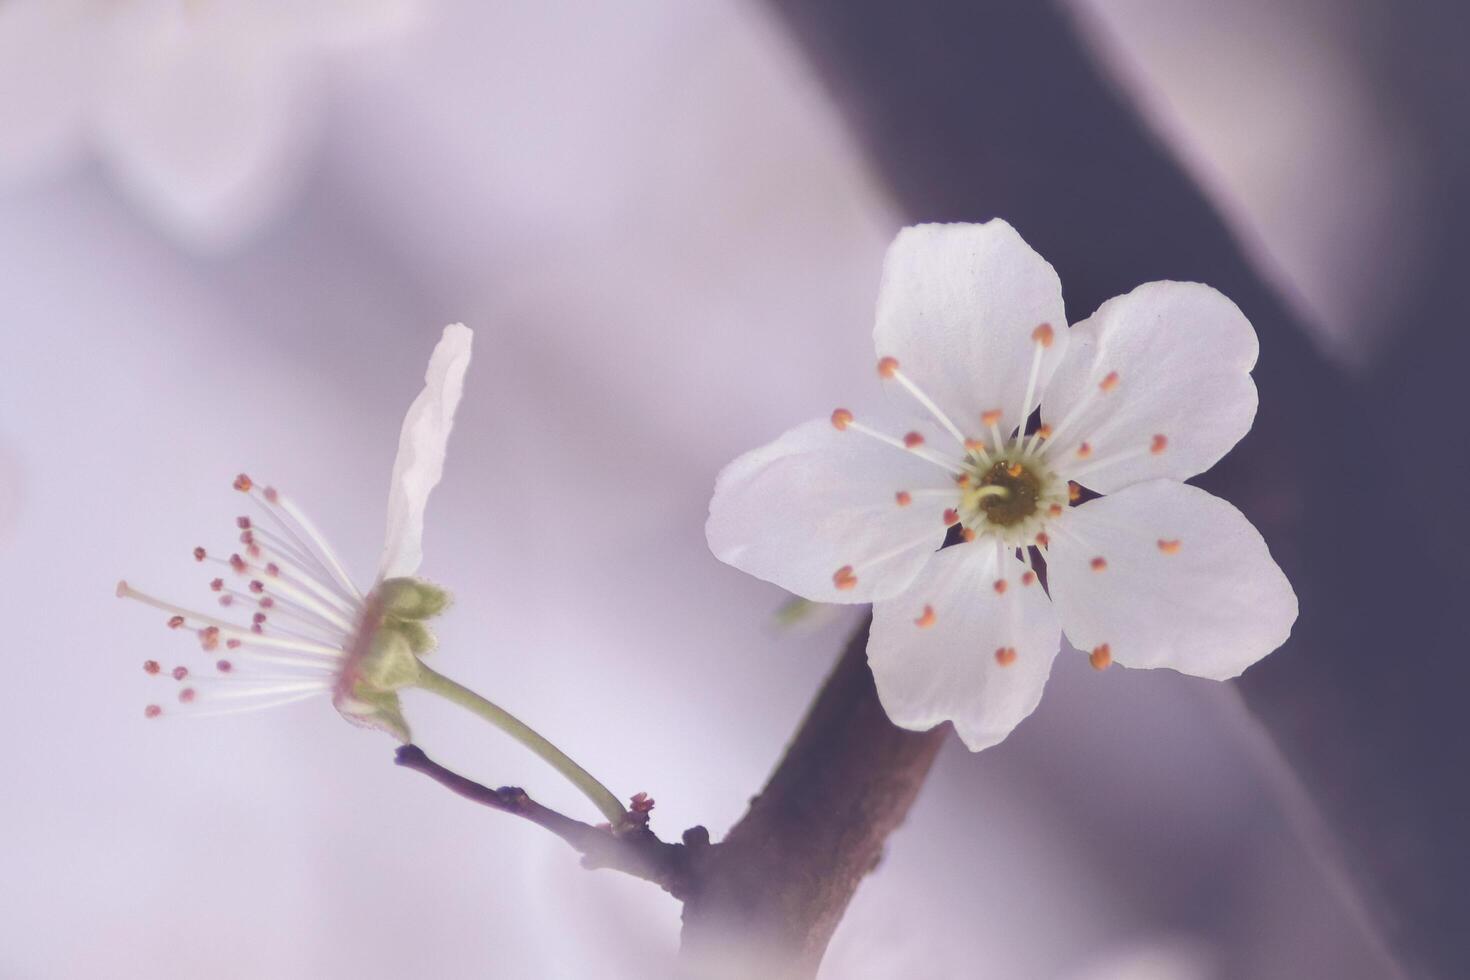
(230,234)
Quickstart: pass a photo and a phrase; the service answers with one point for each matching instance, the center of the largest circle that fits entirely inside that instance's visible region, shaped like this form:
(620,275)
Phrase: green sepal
(411,598)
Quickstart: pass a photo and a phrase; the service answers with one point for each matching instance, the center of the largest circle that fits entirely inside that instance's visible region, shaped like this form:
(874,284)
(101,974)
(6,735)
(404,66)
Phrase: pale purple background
(668,247)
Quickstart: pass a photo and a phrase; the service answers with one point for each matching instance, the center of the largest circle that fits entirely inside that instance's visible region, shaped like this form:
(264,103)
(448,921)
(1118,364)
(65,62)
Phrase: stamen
(1000,586)
(151,667)
(1100,657)
(926,618)
(904,498)
(1159,444)
(152,711)
(1099,563)
(913,440)
(1043,336)
(951,516)
(841,419)
(843,578)
(888,368)
(1084,450)
(180,673)
(1169,547)
(1028,577)
(1005,656)
(915,450)
(1110,382)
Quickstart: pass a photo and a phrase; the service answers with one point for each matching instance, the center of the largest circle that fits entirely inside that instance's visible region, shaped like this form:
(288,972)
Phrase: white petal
(948,671)
(46,51)
(796,510)
(958,306)
(1188,582)
(421,448)
(1183,355)
(203,117)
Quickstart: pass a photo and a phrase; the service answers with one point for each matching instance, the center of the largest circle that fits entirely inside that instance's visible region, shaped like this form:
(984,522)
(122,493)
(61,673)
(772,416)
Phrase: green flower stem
(600,795)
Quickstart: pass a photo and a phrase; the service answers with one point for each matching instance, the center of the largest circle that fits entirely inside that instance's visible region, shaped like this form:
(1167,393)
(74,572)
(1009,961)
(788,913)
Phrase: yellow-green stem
(600,795)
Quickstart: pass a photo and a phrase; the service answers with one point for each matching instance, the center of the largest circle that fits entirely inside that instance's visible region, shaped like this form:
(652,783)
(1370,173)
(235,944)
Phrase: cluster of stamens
(1008,485)
(303,615)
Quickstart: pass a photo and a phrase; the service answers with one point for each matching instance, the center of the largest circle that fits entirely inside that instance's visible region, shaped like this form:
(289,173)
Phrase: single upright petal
(421,448)
(1156,383)
(959,308)
(1166,575)
(971,641)
(819,513)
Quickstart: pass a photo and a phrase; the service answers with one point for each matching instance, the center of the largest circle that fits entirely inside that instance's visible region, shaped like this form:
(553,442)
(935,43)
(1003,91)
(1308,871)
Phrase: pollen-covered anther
(968,534)
(257,586)
(1110,382)
(1044,335)
(1015,469)
(200,554)
(267,602)
(1028,578)
(243,483)
(1169,547)
(1000,586)
(152,711)
(224,666)
(226,600)
(1159,444)
(209,637)
(1055,510)
(844,579)
(174,622)
(1100,657)
(903,498)
(962,480)
(1043,431)
(975,445)
(151,667)
(991,417)
(1043,539)
(272,569)
(926,618)
(1074,491)
(186,695)
(271,495)
(1099,563)
(243,523)
(179,673)
(841,419)
(258,617)
(217,585)
(237,564)
(232,644)
(1084,450)
(951,516)
(1005,656)
(913,440)
(887,367)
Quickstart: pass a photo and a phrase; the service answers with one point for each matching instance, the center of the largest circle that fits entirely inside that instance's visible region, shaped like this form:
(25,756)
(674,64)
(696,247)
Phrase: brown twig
(632,849)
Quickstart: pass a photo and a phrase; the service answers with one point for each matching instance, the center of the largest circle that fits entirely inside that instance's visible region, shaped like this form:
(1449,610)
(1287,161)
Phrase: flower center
(1020,500)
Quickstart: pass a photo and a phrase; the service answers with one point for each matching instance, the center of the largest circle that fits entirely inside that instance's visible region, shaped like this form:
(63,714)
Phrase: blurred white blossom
(201,110)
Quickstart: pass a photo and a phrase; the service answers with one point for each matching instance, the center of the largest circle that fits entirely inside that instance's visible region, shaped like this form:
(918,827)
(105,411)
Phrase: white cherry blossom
(201,110)
(309,630)
(1149,391)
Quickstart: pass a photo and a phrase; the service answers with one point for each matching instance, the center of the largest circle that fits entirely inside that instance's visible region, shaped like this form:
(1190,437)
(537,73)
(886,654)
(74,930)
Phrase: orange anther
(887,367)
(951,516)
(1159,444)
(243,483)
(904,498)
(174,622)
(1043,539)
(913,440)
(151,667)
(975,445)
(1044,335)
(926,618)
(841,418)
(1000,586)
(844,579)
(1084,450)
(1169,547)
(1028,577)
(1055,510)
(1043,431)
(968,534)
(991,417)
(1110,382)
(1100,657)
(962,480)
(1005,656)
(1074,490)
(1098,563)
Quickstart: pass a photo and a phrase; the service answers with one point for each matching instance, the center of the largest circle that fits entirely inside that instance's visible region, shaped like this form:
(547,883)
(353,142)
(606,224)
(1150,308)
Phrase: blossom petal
(958,307)
(1168,575)
(421,448)
(951,669)
(1169,360)
(817,500)
(46,52)
(202,116)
